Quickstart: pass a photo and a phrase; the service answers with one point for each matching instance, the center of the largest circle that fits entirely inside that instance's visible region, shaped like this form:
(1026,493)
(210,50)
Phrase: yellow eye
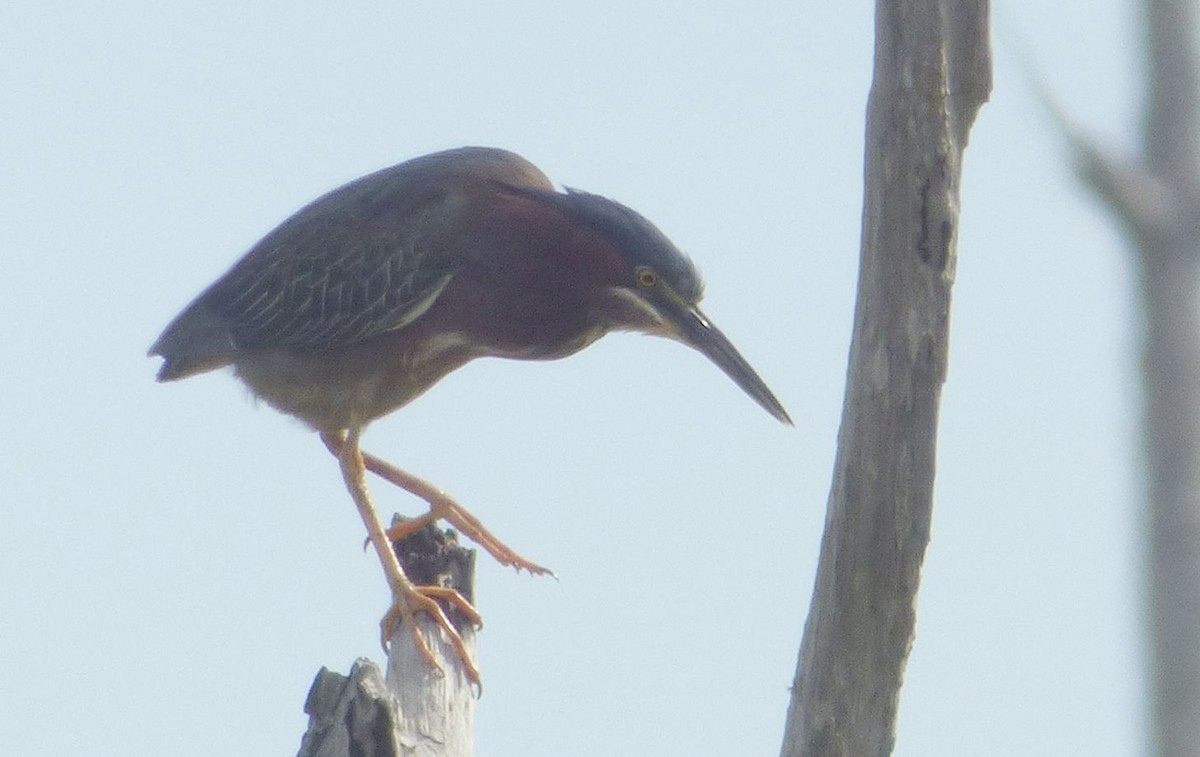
(647,277)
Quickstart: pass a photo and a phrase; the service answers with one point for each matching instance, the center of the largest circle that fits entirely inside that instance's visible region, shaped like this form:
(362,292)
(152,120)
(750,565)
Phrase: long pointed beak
(695,330)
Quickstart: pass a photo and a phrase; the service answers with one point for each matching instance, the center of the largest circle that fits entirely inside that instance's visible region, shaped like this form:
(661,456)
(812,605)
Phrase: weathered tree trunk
(932,74)
(417,711)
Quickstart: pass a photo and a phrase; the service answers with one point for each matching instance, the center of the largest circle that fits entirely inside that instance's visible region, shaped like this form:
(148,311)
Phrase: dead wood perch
(416,711)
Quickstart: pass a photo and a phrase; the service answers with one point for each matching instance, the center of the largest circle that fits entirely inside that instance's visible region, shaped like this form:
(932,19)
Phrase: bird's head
(657,289)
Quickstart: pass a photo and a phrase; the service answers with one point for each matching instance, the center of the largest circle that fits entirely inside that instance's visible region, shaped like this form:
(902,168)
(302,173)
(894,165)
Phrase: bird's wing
(332,280)
(357,262)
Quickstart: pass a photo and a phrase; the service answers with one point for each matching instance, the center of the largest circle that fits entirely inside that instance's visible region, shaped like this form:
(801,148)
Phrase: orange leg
(441,507)
(407,599)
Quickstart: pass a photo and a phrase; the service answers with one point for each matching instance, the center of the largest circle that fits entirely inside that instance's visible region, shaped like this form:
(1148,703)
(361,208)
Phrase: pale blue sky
(176,564)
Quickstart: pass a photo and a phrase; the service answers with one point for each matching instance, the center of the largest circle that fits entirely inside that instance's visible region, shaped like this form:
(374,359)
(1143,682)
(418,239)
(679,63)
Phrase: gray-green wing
(366,258)
(357,262)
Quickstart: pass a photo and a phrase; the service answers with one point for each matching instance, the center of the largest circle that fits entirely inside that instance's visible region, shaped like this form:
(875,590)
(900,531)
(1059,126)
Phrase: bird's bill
(693,328)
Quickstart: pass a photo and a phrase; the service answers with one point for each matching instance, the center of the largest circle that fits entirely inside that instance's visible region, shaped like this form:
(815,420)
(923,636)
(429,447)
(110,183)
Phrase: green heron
(368,296)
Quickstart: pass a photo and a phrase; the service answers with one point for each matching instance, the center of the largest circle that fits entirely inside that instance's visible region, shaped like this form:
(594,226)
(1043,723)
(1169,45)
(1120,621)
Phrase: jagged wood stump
(416,711)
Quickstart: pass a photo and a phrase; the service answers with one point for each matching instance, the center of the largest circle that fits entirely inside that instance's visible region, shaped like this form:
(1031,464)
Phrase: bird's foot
(445,508)
(409,600)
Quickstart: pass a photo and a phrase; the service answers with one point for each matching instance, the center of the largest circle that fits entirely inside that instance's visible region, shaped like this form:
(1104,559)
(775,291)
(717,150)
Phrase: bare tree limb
(1143,202)
(1169,264)
(1155,196)
(932,74)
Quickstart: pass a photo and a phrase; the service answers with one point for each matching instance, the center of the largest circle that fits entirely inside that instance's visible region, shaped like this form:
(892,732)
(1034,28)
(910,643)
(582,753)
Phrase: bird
(369,295)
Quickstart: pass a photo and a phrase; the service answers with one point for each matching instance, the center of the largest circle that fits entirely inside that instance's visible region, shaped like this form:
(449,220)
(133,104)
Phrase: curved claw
(466,523)
(423,599)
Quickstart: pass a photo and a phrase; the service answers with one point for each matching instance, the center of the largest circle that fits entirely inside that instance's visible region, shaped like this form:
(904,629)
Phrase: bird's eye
(647,277)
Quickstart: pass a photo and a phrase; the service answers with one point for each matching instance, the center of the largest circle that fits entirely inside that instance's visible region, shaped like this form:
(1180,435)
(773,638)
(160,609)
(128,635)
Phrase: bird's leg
(407,599)
(441,507)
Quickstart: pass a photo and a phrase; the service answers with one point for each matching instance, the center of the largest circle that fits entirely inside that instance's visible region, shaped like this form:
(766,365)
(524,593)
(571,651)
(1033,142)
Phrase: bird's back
(358,261)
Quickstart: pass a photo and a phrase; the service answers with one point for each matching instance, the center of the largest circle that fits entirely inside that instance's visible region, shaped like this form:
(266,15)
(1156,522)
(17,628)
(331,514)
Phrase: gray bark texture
(417,711)
(932,74)
(1155,196)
